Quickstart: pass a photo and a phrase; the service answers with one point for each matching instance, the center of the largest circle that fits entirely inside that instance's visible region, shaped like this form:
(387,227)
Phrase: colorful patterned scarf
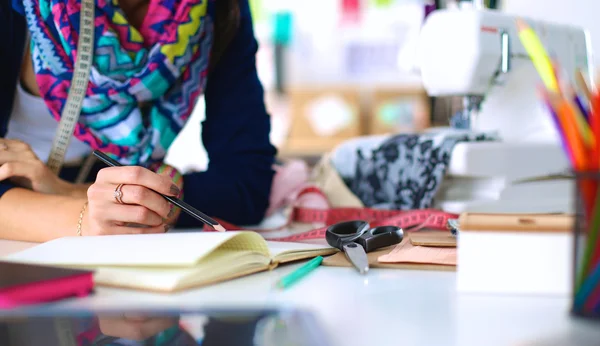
(143,84)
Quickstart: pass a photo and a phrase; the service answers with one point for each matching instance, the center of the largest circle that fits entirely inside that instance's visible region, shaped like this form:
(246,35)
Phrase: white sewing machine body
(476,53)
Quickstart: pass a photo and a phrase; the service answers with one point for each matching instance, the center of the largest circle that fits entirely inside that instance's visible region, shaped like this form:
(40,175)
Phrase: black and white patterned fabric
(405,171)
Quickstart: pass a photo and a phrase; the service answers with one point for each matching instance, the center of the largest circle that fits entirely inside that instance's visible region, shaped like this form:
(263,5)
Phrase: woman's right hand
(142,209)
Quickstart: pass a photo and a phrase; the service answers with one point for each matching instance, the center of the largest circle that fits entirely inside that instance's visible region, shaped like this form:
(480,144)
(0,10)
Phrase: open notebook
(169,262)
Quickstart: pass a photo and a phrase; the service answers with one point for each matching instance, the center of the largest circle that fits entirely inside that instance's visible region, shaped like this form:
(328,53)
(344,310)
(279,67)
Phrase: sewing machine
(476,54)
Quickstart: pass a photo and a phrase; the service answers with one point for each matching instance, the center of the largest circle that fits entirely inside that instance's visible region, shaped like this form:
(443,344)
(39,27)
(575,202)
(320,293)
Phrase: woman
(152,59)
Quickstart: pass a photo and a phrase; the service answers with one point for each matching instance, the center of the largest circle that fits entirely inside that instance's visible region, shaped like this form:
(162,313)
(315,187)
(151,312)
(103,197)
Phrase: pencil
(568,123)
(582,108)
(586,288)
(592,237)
(538,55)
(588,272)
(582,116)
(299,273)
(578,150)
(198,215)
(581,83)
(544,96)
(595,124)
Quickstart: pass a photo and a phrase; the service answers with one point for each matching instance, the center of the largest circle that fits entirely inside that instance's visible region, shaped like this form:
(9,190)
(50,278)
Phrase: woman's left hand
(22,167)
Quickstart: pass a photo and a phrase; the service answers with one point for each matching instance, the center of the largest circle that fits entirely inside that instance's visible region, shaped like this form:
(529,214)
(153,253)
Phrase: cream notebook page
(139,250)
(167,262)
(282,252)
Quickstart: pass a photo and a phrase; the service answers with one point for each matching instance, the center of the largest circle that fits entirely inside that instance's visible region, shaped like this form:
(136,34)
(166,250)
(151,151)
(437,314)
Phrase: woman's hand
(22,167)
(137,209)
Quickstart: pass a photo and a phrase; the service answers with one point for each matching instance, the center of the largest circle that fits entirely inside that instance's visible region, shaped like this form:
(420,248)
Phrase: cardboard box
(398,110)
(322,118)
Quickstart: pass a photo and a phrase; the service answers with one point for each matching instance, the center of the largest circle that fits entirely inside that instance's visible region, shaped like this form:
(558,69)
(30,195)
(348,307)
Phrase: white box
(515,254)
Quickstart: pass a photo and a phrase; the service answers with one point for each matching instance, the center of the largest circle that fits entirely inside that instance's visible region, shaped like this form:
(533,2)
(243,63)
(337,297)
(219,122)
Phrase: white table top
(389,307)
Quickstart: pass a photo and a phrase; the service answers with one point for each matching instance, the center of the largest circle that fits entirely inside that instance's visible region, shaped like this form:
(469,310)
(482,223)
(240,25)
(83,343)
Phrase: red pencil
(595,158)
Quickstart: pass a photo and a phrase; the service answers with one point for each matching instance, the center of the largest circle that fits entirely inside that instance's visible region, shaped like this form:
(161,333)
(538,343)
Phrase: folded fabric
(326,178)
(405,171)
(343,157)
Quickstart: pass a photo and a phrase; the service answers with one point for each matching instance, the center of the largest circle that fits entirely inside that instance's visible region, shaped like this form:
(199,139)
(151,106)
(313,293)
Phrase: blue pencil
(587,288)
(581,107)
(544,95)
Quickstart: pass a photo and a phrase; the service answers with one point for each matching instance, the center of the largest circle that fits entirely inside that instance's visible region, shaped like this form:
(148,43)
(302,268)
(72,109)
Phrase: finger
(8,156)
(137,230)
(106,213)
(104,228)
(16,156)
(14,169)
(104,194)
(136,194)
(16,145)
(134,175)
(134,214)
(173,176)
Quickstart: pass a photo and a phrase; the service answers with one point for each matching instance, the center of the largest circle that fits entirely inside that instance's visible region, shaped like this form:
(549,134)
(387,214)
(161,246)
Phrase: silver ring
(118,194)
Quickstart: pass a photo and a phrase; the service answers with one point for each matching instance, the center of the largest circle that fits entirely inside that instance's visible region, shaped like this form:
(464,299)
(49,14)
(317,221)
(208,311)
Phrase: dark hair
(227,20)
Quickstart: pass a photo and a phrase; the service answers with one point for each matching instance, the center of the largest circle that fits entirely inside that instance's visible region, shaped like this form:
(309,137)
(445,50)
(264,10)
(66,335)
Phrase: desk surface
(389,307)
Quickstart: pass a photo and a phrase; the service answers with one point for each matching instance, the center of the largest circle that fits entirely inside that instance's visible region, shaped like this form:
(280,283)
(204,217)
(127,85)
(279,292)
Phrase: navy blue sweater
(237,183)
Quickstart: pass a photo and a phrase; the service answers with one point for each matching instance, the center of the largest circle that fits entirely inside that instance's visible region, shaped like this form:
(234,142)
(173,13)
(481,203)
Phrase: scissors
(357,238)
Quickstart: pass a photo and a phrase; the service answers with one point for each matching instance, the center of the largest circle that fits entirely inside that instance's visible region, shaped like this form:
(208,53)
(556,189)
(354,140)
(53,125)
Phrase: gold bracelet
(81,218)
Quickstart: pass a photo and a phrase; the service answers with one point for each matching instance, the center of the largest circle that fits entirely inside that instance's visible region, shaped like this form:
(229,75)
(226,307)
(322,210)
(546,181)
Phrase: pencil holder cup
(586,260)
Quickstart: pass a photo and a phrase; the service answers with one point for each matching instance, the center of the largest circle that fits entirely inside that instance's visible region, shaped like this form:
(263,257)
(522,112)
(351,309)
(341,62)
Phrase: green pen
(299,273)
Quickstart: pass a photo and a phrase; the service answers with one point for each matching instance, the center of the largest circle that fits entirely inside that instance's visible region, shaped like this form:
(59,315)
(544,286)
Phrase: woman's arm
(237,183)
(41,208)
(31,216)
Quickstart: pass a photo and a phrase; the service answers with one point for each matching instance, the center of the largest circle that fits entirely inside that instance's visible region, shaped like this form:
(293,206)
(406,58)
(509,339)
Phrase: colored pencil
(576,114)
(587,287)
(581,117)
(593,248)
(568,123)
(299,273)
(581,83)
(538,55)
(582,108)
(543,94)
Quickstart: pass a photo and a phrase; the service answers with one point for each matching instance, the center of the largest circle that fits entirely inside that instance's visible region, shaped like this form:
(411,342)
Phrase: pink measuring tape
(409,220)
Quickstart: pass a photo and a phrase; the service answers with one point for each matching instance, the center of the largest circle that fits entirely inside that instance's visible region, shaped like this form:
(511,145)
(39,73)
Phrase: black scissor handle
(345,232)
(382,236)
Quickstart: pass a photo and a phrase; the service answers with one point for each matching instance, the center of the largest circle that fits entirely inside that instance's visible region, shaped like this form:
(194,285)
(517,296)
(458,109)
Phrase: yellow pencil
(538,55)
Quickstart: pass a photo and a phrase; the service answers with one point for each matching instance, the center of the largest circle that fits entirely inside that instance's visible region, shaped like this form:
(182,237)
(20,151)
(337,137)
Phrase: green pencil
(299,273)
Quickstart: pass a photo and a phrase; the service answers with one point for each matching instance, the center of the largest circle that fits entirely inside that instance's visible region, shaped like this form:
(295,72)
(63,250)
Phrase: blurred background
(337,69)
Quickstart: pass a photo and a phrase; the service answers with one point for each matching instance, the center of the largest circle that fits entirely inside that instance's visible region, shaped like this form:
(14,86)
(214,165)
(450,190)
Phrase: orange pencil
(568,123)
(565,114)
(543,94)
(595,124)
